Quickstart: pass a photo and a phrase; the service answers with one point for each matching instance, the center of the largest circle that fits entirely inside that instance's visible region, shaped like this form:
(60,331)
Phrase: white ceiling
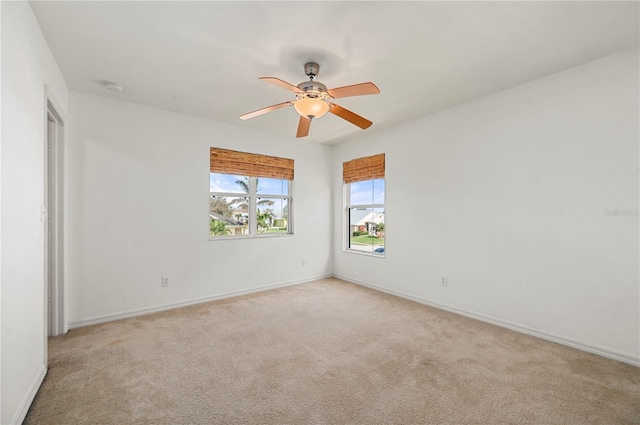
(204,58)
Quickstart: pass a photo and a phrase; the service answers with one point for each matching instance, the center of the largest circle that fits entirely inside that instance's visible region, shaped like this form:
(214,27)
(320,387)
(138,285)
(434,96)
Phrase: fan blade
(346,114)
(278,82)
(303,127)
(354,90)
(265,110)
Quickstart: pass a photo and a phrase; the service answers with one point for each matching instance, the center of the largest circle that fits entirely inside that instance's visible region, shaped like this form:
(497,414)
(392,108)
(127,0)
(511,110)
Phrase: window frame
(368,168)
(347,216)
(253,197)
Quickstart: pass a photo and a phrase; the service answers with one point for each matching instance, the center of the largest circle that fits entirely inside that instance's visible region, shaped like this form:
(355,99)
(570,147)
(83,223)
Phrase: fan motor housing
(312,88)
(311,70)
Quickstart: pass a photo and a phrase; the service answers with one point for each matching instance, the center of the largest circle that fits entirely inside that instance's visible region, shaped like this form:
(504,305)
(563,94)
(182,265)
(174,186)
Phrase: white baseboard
(25,404)
(601,351)
(156,309)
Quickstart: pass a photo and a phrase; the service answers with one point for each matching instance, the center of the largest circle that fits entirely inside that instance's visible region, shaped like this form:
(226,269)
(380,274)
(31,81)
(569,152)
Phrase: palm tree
(243,203)
(265,219)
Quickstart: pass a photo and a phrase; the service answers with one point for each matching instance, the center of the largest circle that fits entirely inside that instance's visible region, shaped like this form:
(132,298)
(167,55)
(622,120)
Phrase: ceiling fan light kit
(313,100)
(311,108)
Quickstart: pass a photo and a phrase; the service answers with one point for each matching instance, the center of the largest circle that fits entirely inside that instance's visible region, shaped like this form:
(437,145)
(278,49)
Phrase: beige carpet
(326,352)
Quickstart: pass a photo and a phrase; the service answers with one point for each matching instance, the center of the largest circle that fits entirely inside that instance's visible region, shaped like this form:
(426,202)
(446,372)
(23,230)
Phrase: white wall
(137,187)
(27,65)
(507,197)
(0,214)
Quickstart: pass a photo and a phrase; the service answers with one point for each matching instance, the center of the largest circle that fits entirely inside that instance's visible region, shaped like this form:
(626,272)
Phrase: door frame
(53,213)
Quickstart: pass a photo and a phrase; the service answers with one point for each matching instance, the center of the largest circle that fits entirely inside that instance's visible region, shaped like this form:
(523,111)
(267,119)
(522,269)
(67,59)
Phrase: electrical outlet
(165,281)
(443,281)
(304,261)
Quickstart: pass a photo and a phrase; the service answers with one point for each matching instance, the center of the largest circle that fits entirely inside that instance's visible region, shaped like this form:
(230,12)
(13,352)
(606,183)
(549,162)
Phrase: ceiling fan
(313,100)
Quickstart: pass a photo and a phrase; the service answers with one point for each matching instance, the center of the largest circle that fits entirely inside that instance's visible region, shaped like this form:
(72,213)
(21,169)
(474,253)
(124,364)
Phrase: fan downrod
(312,88)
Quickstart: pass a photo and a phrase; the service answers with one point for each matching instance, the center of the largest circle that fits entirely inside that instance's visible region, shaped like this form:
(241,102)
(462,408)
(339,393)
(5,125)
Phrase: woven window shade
(360,169)
(250,164)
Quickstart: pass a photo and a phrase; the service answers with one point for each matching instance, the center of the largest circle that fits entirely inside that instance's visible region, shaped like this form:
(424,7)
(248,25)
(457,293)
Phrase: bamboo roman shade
(250,164)
(360,169)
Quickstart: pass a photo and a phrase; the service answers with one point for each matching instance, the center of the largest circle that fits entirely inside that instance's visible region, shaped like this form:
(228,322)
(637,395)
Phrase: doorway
(52,217)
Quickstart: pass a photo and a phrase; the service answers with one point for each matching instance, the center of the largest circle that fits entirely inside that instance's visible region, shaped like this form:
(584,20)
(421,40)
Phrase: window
(249,194)
(365,213)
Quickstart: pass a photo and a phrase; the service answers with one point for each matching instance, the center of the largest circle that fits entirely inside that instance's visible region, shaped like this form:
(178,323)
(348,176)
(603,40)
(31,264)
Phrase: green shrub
(218,228)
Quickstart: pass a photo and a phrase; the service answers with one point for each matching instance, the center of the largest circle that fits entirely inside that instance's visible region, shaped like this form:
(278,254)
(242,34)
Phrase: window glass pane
(273,215)
(361,193)
(228,216)
(366,230)
(228,183)
(268,186)
(378,191)
(367,192)
(378,231)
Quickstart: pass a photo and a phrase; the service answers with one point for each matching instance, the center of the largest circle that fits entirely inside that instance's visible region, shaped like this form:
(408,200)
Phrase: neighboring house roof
(360,217)
(225,220)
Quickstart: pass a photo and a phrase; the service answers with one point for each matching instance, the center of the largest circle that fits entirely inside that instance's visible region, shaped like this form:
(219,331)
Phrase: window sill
(236,238)
(365,254)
